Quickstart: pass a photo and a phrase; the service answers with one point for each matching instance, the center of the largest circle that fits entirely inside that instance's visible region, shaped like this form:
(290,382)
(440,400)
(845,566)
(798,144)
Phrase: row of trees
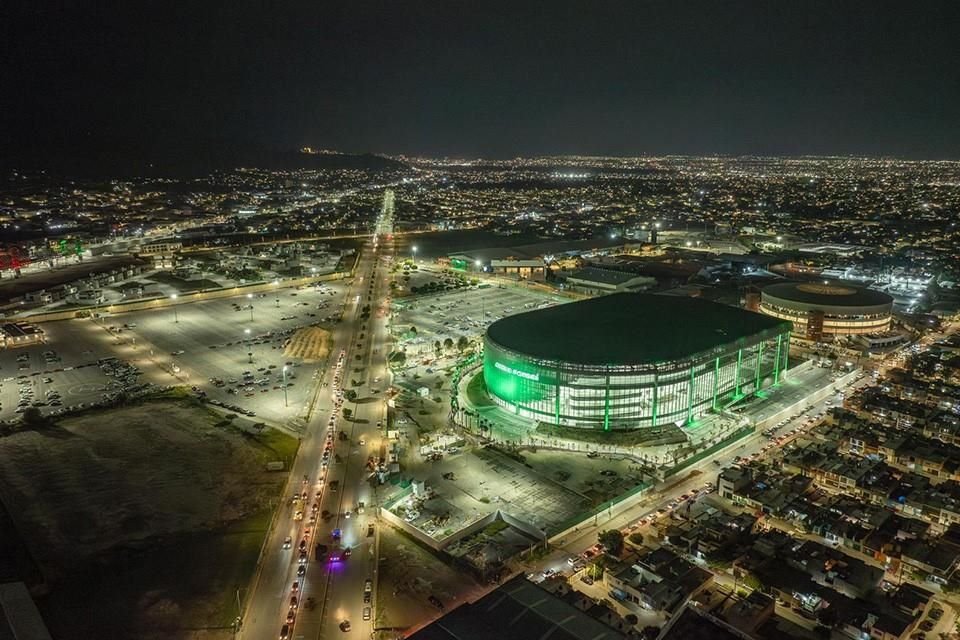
(462,343)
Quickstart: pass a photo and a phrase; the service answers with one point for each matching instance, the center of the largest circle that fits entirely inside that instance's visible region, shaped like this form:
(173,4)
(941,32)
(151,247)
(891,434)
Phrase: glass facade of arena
(629,397)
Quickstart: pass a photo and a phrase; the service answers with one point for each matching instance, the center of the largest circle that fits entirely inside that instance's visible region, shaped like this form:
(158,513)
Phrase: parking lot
(468,312)
(456,314)
(467,486)
(232,349)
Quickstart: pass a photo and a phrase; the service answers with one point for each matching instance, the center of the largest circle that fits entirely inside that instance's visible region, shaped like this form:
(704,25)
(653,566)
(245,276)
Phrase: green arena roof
(628,329)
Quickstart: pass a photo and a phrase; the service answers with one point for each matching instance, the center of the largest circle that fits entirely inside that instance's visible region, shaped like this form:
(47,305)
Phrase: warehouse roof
(628,328)
(603,276)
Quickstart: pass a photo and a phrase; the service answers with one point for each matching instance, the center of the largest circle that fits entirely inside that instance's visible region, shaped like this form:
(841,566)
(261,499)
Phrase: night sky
(483,79)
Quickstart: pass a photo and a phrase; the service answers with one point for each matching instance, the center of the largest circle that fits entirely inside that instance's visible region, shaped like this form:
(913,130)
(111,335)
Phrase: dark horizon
(494,81)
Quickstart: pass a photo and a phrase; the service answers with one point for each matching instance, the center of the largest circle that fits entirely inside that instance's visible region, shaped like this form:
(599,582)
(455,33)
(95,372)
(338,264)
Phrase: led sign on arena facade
(629,361)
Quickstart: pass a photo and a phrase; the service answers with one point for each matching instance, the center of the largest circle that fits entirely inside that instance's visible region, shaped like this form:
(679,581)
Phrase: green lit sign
(516,372)
(458,264)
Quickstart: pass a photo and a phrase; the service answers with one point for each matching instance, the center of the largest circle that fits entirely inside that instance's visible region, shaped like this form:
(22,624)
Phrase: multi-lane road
(330,594)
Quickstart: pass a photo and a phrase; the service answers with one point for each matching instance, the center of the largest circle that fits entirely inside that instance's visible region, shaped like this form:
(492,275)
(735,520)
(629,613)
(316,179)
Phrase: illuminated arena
(629,361)
(819,310)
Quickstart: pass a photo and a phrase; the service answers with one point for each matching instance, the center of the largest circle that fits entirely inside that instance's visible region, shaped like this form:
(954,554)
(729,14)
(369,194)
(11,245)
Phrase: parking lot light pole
(250,304)
(173,298)
(284,370)
(249,346)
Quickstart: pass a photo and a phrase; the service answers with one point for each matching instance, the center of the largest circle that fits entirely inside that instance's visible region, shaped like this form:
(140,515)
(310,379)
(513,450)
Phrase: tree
(398,358)
(650,633)
(347,413)
(612,541)
(636,538)
(462,343)
(595,569)
(448,344)
(827,616)
(32,417)
(350,395)
(413,330)
(437,347)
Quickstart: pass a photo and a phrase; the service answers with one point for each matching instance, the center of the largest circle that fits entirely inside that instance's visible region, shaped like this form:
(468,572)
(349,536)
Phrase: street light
(250,304)
(285,386)
(249,346)
(277,293)
(173,298)
(413,251)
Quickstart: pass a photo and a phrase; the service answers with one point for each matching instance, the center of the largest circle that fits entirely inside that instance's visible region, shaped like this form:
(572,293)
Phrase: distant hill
(194,159)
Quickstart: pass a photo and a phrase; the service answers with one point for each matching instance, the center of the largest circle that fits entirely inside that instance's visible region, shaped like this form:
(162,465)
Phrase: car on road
(287,542)
(284,632)
(345,626)
(368,585)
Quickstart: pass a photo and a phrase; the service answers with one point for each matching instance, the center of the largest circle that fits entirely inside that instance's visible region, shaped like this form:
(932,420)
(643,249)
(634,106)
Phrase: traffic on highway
(317,573)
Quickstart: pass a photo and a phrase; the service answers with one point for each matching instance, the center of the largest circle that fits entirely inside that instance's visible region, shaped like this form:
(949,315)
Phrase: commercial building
(521,610)
(594,280)
(628,361)
(821,310)
(20,334)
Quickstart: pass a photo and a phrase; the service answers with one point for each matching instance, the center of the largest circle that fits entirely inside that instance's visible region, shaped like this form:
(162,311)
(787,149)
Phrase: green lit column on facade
(716,381)
(736,379)
(606,405)
(759,363)
(656,385)
(556,407)
(776,362)
(690,396)
(786,355)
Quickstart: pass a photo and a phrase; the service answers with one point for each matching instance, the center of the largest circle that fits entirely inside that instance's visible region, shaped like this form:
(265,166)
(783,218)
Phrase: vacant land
(145,520)
(409,575)
(310,344)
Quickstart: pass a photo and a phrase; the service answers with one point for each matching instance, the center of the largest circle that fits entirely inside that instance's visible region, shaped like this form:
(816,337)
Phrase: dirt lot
(311,344)
(145,520)
(409,574)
